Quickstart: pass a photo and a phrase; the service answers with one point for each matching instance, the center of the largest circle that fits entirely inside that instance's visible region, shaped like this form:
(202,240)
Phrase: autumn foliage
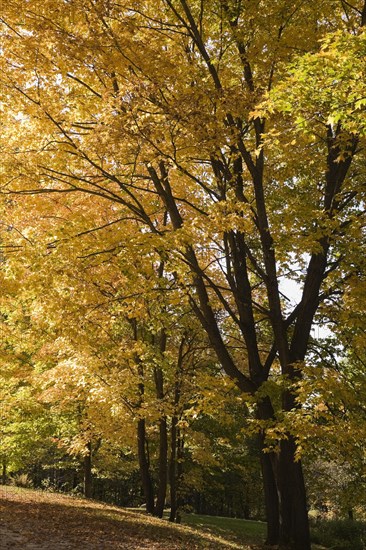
(182,205)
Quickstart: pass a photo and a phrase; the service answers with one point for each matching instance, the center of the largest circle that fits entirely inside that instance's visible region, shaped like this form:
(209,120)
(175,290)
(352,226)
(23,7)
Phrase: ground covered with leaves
(35,520)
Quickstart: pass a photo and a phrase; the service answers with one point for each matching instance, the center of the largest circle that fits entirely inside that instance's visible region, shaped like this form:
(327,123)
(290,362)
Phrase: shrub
(340,534)
(21,480)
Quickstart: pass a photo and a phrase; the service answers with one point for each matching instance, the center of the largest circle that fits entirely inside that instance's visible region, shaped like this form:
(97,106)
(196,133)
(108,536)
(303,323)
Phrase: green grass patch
(238,530)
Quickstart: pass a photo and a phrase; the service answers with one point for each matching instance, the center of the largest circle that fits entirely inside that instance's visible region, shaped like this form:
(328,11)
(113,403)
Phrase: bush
(21,480)
(340,534)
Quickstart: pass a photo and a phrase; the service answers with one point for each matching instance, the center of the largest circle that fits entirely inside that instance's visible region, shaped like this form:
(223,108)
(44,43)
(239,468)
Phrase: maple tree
(103,355)
(231,137)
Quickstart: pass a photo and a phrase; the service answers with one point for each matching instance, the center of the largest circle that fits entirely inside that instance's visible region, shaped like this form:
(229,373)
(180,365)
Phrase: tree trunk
(173,471)
(163,468)
(163,435)
(271,497)
(284,492)
(180,447)
(270,500)
(293,516)
(88,480)
(144,465)
(176,467)
(4,472)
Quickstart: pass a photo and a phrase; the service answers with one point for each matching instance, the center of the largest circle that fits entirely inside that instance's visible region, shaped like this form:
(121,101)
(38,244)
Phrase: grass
(238,530)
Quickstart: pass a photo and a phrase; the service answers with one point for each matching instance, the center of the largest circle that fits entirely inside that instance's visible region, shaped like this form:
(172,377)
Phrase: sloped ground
(34,520)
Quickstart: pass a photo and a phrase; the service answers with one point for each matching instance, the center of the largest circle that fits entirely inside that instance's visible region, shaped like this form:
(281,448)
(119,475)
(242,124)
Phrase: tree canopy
(197,159)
